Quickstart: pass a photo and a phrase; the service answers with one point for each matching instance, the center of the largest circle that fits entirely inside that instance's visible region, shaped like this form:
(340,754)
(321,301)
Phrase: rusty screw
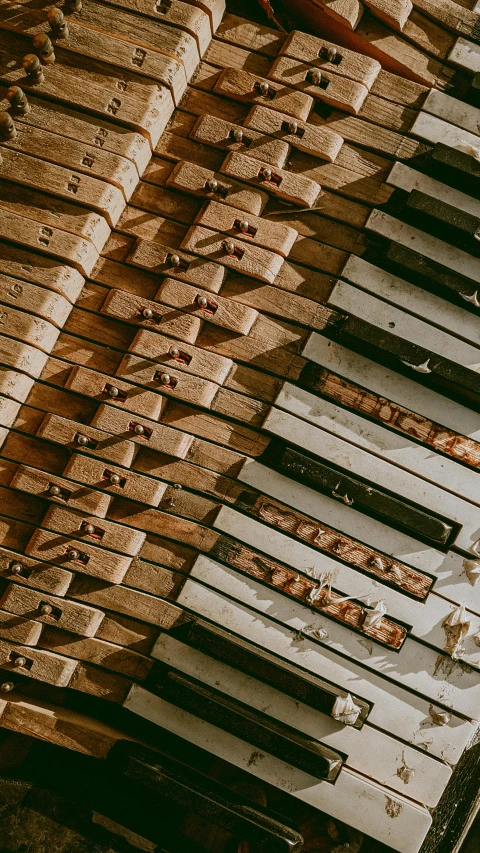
(19,661)
(44,48)
(33,69)
(18,100)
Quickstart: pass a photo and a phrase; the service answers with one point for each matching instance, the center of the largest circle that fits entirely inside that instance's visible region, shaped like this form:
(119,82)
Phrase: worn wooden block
(153,315)
(108,535)
(130,602)
(331,57)
(184,386)
(256,37)
(23,357)
(98,652)
(184,16)
(29,297)
(272,301)
(210,185)
(130,485)
(215,131)
(215,9)
(98,443)
(103,388)
(294,188)
(49,610)
(38,574)
(59,490)
(16,386)
(250,260)
(206,425)
(159,259)
(38,269)
(245,87)
(321,142)
(218,310)
(347,13)
(35,663)
(190,360)
(83,557)
(18,630)
(267,233)
(332,89)
(29,233)
(154,436)
(394,13)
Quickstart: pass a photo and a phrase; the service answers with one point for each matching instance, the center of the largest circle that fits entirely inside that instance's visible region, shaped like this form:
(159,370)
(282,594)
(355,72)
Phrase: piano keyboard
(239,396)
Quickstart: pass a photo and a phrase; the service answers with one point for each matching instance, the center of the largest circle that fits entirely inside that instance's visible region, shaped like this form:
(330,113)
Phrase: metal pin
(18,100)
(7,127)
(20,661)
(175,260)
(264,88)
(229,248)
(55,491)
(238,135)
(6,687)
(114,479)
(44,48)
(74,554)
(212,185)
(45,609)
(331,53)
(147,313)
(244,226)
(33,69)
(202,301)
(315,76)
(174,352)
(89,529)
(139,429)
(293,125)
(266,174)
(82,440)
(16,568)
(58,24)
(113,391)
(165,379)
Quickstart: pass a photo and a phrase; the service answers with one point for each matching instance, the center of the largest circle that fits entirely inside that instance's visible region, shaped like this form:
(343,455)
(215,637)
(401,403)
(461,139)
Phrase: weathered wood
(108,535)
(95,651)
(331,89)
(132,309)
(84,558)
(245,87)
(38,574)
(215,131)
(183,16)
(218,310)
(194,179)
(154,437)
(249,260)
(297,188)
(97,474)
(175,383)
(346,63)
(49,610)
(256,37)
(98,386)
(268,233)
(39,483)
(324,143)
(45,666)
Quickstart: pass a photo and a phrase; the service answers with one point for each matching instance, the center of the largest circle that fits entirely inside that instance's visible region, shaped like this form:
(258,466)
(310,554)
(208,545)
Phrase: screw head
(114,479)
(212,185)
(89,529)
(16,568)
(174,352)
(266,174)
(55,491)
(74,554)
(165,379)
(244,226)
(139,429)
(113,392)
(238,135)
(293,126)
(45,609)
(147,313)
(175,260)
(82,440)
(316,76)
(202,301)
(331,53)
(264,88)
(229,247)
(19,661)
(6,687)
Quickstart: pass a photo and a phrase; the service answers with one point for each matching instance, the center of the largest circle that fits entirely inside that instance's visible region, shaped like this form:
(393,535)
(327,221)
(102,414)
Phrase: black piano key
(452,167)
(260,664)
(432,276)
(442,220)
(363,496)
(245,722)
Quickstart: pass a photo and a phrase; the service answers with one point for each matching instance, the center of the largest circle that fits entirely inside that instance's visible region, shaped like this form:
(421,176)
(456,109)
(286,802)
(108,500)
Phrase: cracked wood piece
(158,259)
(129,602)
(219,311)
(40,483)
(58,612)
(115,537)
(28,297)
(250,260)
(297,189)
(247,88)
(183,386)
(66,432)
(95,651)
(44,666)
(64,183)
(190,178)
(77,251)
(96,473)
(131,308)
(320,141)
(122,54)
(192,360)
(267,233)
(16,199)
(332,89)
(38,574)
(18,630)
(255,37)
(88,159)
(38,269)
(453,111)
(97,386)
(102,135)
(183,16)
(164,39)
(91,560)
(154,437)
(214,131)
(346,63)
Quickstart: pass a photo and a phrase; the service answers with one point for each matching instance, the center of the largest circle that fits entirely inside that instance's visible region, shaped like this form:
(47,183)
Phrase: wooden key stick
(25,296)
(183,16)
(294,188)
(60,491)
(93,650)
(331,57)
(268,233)
(39,269)
(215,131)
(18,630)
(184,386)
(143,432)
(34,663)
(78,557)
(35,573)
(160,259)
(245,87)
(114,480)
(214,309)
(167,356)
(49,610)
(329,88)
(322,142)
(209,185)
(93,530)
(117,392)
(249,260)
(90,440)
(155,316)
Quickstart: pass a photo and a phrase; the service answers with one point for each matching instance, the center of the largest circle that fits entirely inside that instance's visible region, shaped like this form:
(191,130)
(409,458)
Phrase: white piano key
(452,110)
(466,54)
(395,709)
(415,666)
(414,300)
(369,751)
(364,805)
(392,385)
(359,462)
(430,247)
(346,297)
(395,447)
(433,129)
(405,178)
(426,618)
(449,569)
